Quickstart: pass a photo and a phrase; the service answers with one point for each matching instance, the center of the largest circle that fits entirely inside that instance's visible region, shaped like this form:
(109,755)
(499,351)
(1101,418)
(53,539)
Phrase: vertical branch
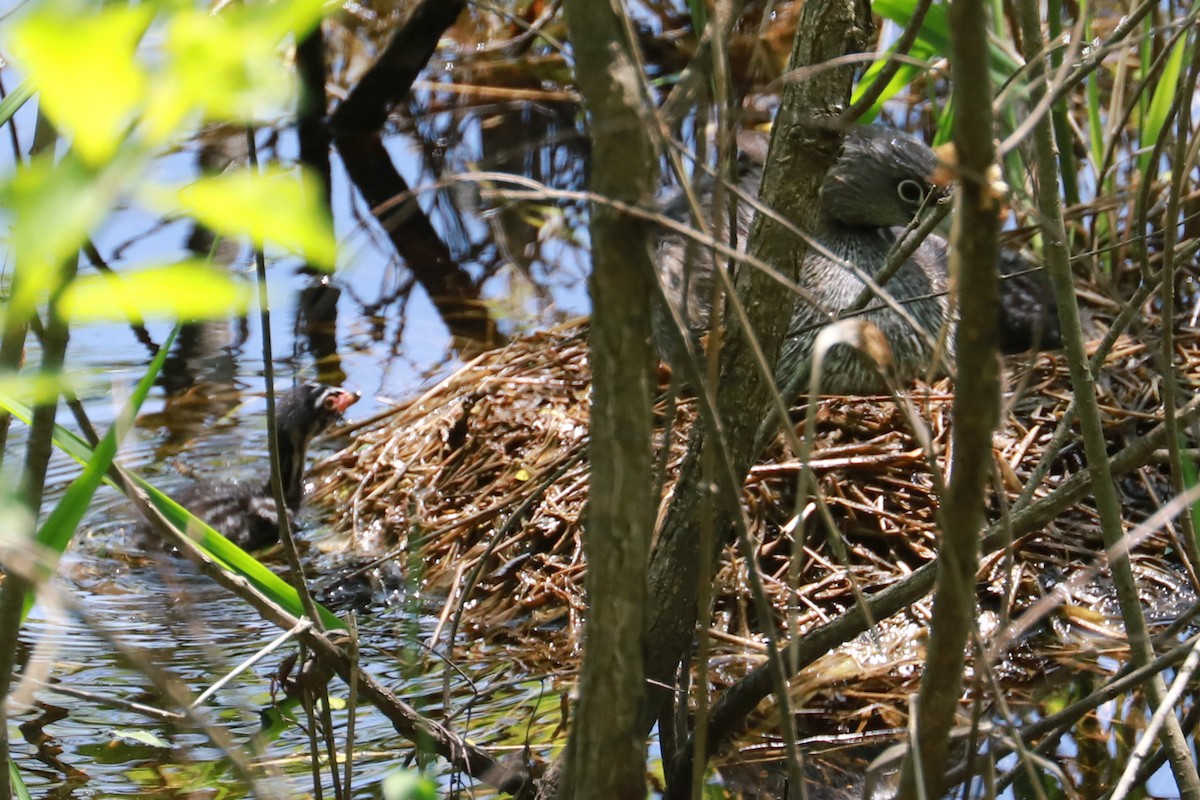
(1171,223)
(607,749)
(805,142)
(33,484)
(717,32)
(973,253)
(295,567)
(1108,504)
(13,332)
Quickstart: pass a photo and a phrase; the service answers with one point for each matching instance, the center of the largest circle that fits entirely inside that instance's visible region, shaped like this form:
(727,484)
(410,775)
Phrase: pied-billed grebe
(245,511)
(877,186)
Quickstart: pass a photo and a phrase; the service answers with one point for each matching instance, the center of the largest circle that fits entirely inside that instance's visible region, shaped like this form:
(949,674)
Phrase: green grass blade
(699,12)
(63,520)
(932,43)
(60,525)
(905,75)
(16,98)
(935,34)
(1190,477)
(1160,103)
(20,791)
(231,557)
(1063,135)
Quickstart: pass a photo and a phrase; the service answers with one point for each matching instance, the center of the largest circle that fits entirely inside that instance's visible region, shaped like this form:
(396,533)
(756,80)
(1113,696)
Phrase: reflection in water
(162,611)
(316,325)
(206,352)
(363,325)
(157,604)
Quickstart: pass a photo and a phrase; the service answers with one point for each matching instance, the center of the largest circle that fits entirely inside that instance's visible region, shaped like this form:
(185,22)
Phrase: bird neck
(291,470)
(839,236)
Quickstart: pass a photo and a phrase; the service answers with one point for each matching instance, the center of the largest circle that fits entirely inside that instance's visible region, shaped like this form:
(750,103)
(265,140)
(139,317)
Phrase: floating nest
(480,483)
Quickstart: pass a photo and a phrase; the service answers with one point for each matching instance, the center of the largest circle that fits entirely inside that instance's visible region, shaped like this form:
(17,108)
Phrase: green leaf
(227,71)
(40,387)
(277,206)
(407,785)
(932,43)
(16,98)
(276,21)
(904,76)
(935,34)
(1160,103)
(60,524)
(1188,469)
(20,791)
(139,736)
(229,66)
(274,723)
(232,558)
(89,81)
(187,291)
(54,207)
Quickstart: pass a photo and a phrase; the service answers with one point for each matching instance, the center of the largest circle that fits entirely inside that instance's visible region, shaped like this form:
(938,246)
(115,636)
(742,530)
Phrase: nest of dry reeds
(480,483)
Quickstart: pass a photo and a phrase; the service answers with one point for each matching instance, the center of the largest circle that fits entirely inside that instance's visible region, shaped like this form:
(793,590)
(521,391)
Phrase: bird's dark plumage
(245,511)
(1028,311)
(877,186)
(881,179)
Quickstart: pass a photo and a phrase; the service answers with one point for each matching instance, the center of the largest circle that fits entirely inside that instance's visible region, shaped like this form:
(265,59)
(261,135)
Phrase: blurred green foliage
(122,85)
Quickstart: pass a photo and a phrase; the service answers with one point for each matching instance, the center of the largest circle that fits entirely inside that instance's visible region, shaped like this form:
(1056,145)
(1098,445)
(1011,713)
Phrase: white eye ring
(911,191)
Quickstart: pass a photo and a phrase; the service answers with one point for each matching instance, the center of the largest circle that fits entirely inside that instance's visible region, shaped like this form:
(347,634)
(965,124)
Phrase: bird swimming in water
(245,511)
(878,186)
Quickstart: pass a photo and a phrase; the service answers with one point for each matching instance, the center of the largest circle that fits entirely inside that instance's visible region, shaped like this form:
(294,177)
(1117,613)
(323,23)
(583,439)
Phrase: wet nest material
(478,487)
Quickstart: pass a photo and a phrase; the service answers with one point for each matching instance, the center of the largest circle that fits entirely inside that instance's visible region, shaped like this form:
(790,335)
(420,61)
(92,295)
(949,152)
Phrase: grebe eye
(911,192)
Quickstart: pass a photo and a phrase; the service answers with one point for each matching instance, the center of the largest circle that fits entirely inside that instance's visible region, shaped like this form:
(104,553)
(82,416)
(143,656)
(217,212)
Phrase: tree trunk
(806,140)
(974,250)
(606,753)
